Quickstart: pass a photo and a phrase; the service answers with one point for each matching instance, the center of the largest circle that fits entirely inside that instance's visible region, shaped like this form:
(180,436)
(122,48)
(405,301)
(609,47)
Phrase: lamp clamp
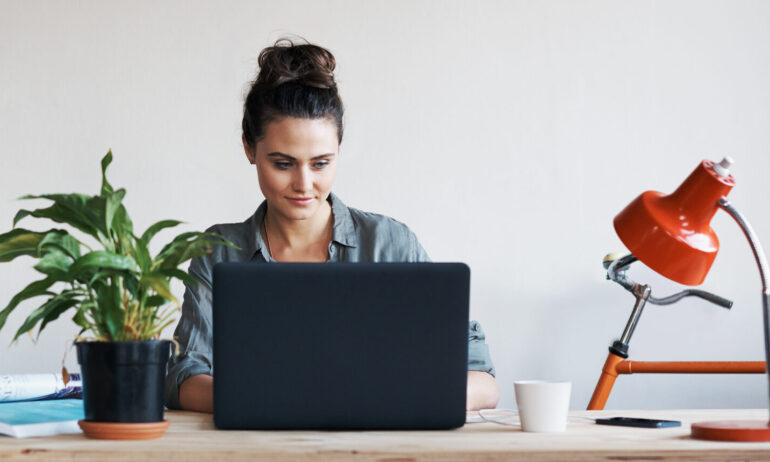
(617,267)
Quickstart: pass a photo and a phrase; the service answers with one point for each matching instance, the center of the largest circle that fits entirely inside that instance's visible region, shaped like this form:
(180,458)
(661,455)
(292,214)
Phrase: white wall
(505,134)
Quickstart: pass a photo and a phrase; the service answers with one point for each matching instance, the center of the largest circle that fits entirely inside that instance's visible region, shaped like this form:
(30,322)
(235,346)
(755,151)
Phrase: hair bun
(304,64)
(294,80)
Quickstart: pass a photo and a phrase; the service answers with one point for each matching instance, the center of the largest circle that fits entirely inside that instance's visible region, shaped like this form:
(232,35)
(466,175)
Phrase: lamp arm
(756,247)
(708,296)
(616,271)
(759,256)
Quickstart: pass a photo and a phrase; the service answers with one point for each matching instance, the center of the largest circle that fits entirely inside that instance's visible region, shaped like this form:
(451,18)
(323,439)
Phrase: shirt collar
(343,230)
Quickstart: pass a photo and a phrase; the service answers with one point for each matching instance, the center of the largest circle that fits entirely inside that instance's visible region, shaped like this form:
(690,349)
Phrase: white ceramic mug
(543,405)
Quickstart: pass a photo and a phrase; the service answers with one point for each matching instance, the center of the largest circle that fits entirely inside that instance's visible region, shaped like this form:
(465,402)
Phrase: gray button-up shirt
(357,236)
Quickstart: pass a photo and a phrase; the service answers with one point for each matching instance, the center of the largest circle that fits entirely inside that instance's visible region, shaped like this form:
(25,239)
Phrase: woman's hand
(483,392)
(197,393)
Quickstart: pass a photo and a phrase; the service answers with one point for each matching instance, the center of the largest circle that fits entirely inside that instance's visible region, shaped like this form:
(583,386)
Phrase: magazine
(21,419)
(27,387)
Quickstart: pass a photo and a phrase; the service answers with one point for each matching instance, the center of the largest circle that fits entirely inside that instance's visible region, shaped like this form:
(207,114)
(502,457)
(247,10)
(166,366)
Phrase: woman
(292,129)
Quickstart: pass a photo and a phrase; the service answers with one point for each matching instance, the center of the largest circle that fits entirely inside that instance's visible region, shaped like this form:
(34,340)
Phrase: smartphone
(637,422)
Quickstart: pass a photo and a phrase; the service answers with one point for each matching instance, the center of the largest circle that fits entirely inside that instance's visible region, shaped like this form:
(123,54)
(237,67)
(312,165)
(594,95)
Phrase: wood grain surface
(192,437)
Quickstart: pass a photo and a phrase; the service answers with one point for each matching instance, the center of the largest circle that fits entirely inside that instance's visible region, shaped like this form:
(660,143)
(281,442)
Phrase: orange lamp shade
(672,233)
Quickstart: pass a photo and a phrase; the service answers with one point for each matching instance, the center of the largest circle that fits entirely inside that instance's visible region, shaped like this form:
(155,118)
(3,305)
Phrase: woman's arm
(193,333)
(483,392)
(197,393)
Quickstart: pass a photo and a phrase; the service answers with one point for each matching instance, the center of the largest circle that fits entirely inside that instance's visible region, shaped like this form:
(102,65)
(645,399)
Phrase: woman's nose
(303,180)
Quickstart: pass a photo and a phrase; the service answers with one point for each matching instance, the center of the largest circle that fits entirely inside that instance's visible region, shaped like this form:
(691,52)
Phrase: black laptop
(340,345)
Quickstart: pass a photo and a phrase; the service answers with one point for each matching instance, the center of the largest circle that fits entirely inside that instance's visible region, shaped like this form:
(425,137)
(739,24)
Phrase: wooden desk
(192,437)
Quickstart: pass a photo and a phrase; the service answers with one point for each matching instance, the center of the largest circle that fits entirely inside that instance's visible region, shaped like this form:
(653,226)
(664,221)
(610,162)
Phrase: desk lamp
(671,234)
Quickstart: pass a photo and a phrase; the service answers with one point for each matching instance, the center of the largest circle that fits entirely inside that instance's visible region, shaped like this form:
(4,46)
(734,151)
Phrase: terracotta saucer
(123,431)
(732,430)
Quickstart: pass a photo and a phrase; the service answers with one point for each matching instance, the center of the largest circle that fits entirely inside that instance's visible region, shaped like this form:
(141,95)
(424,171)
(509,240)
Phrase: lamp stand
(744,430)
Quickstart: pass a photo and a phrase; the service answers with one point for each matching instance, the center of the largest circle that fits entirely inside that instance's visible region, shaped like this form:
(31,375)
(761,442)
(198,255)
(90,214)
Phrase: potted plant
(119,296)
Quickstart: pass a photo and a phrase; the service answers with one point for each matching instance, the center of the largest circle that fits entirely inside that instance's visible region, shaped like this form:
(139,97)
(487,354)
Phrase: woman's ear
(250,152)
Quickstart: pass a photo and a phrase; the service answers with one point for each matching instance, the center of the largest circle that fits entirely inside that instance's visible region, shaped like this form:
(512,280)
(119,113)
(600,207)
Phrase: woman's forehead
(300,138)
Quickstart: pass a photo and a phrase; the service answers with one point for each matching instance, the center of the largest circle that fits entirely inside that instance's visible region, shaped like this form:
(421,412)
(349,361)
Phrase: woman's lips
(300,200)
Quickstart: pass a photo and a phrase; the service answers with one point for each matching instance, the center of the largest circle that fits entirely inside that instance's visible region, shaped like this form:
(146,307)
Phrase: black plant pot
(123,381)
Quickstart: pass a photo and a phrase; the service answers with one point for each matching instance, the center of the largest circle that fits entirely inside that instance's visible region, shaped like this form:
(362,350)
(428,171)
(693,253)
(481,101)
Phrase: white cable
(514,413)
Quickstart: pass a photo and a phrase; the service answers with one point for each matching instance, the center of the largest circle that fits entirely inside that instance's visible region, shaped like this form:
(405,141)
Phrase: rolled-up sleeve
(479,358)
(193,333)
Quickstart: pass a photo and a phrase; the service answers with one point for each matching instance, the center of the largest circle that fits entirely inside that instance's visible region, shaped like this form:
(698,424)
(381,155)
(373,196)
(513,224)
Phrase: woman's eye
(321,164)
(282,165)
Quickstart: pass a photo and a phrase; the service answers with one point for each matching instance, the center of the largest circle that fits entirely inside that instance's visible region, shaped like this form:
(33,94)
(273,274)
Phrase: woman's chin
(299,213)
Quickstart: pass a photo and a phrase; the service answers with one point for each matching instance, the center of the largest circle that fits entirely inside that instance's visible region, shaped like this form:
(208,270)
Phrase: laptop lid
(340,345)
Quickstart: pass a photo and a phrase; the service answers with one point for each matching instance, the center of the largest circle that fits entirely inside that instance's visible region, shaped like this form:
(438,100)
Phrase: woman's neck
(286,236)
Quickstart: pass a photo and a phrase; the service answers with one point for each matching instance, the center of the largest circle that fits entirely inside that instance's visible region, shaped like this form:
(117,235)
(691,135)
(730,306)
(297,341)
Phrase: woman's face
(296,165)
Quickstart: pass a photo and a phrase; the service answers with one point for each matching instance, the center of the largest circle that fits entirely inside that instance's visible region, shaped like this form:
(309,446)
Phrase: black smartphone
(637,422)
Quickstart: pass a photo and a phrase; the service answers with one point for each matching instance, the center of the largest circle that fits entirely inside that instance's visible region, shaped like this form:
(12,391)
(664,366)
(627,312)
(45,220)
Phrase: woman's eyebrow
(288,157)
(323,156)
(280,154)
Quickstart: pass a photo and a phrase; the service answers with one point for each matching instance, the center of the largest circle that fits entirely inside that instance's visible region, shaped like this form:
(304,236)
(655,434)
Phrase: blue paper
(36,412)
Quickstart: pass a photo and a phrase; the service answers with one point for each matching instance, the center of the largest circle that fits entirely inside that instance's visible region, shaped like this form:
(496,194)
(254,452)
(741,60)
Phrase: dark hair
(294,80)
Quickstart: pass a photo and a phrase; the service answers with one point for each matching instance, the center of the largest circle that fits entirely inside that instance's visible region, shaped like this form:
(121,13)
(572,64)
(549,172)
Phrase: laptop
(340,345)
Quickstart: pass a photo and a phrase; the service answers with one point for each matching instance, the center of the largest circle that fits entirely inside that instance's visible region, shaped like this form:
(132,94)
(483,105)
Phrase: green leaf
(106,161)
(54,314)
(123,226)
(153,230)
(154,301)
(179,274)
(142,254)
(109,304)
(21,214)
(34,289)
(131,283)
(61,239)
(80,316)
(55,263)
(83,212)
(185,237)
(159,284)
(105,277)
(112,203)
(19,242)
(98,277)
(100,260)
(187,246)
(49,311)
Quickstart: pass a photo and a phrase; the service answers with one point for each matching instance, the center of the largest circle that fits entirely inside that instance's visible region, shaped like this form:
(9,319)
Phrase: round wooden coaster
(123,431)
(732,430)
